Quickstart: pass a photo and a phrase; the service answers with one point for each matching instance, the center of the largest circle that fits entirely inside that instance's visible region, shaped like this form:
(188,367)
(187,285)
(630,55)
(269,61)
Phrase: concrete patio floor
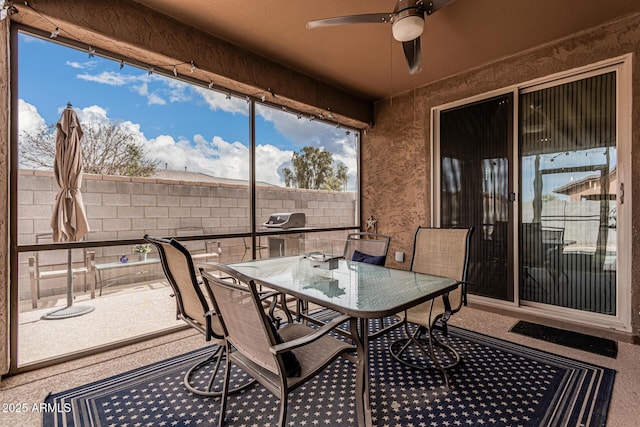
(121,313)
(32,387)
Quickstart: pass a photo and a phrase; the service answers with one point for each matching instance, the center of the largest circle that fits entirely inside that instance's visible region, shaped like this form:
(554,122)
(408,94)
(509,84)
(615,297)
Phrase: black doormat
(596,345)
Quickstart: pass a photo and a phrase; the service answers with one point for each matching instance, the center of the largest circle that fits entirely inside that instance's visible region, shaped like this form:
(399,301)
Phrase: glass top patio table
(354,288)
(363,291)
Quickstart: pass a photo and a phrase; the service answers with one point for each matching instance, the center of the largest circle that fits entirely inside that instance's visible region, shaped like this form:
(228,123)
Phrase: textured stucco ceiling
(363,59)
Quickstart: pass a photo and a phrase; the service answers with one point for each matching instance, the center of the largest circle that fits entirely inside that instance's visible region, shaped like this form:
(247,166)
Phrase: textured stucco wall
(397,153)
(4,195)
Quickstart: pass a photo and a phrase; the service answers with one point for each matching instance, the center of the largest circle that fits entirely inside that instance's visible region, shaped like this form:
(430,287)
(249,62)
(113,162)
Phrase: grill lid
(286,220)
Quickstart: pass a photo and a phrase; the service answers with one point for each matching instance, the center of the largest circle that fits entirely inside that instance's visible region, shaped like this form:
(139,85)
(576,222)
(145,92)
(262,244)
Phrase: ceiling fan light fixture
(408,27)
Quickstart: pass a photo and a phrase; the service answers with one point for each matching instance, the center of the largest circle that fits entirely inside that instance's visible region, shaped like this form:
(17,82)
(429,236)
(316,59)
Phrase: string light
(8,8)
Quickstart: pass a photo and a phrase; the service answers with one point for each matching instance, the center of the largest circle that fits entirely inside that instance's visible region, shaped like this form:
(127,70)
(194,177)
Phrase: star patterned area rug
(498,384)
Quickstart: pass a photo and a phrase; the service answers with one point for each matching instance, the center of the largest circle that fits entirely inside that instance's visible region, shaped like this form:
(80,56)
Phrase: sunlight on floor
(122,314)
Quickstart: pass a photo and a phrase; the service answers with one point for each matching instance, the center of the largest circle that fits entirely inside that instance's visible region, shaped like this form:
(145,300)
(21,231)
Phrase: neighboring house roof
(575,186)
(175,175)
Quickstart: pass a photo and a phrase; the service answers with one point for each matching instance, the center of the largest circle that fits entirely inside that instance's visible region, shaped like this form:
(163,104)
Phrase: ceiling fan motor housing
(408,20)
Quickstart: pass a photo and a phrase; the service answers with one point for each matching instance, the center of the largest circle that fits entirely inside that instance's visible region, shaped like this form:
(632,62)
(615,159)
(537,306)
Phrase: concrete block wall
(128,208)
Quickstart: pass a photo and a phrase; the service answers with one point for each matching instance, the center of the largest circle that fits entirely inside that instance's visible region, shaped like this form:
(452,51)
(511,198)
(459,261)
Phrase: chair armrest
(299,342)
(269,294)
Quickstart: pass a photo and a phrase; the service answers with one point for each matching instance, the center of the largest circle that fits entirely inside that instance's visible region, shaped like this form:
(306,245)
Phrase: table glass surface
(354,288)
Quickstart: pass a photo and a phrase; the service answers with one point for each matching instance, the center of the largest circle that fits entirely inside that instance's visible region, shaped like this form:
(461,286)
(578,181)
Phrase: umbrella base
(70,311)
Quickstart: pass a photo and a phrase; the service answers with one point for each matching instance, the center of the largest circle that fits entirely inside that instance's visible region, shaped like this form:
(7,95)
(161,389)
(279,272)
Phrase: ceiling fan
(407,24)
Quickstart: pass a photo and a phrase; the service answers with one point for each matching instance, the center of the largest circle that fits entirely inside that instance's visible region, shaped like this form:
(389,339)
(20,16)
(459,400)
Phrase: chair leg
(283,410)
(225,386)
(426,346)
(217,358)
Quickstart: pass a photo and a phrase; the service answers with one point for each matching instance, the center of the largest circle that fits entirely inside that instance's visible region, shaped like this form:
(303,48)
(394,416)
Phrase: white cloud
(106,77)
(268,156)
(215,157)
(141,89)
(218,101)
(92,114)
(169,88)
(303,132)
(89,65)
(155,99)
(29,120)
(177,91)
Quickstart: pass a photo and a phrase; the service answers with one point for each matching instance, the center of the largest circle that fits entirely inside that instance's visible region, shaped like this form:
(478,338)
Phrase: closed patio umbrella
(69,220)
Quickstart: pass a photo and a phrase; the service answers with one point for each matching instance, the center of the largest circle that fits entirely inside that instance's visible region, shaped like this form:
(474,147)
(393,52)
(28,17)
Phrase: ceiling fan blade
(413,55)
(370,18)
(435,5)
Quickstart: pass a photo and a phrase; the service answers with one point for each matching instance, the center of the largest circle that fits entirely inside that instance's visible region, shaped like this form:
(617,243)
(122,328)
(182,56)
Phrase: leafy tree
(338,179)
(313,169)
(107,149)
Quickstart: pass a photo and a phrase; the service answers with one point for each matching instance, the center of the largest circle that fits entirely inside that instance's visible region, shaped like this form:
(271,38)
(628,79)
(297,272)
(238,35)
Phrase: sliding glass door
(568,214)
(535,170)
(475,151)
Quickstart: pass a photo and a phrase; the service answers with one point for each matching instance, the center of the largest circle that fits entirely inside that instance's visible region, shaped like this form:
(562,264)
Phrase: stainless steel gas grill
(286,220)
(287,244)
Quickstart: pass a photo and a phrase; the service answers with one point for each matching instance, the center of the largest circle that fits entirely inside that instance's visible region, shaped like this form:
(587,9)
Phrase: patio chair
(280,360)
(56,267)
(541,257)
(371,248)
(442,252)
(367,247)
(531,251)
(194,309)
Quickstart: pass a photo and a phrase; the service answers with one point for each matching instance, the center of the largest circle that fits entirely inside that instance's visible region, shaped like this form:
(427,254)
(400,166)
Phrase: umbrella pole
(70,310)
(69,280)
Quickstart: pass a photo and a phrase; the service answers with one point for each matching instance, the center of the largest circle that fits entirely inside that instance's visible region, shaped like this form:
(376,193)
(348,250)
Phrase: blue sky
(181,124)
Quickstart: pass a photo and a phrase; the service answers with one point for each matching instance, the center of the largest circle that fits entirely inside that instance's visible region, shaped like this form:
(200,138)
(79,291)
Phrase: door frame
(622,66)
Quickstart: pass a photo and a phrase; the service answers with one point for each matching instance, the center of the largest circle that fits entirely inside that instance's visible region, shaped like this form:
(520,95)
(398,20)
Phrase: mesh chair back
(179,269)
(366,243)
(443,252)
(531,249)
(243,319)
